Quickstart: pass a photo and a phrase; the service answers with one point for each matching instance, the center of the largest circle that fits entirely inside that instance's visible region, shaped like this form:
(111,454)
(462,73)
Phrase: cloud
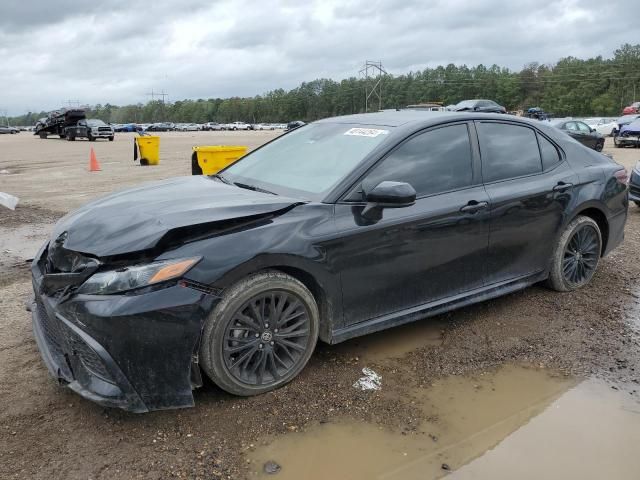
(117,51)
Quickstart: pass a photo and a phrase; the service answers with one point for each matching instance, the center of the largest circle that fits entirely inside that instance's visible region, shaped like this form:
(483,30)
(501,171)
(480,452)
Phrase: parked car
(604,126)
(580,131)
(187,127)
(239,126)
(618,140)
(161,127)
(629,134)
(392,217)
(634,184)
(7,129)
(212,126)
(264,126)
(127,127)
(429,107)
(295,124)
(631,109)
(479,105)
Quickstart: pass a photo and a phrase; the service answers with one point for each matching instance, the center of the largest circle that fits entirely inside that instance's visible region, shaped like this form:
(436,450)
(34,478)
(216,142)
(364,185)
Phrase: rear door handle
(474,206)
(561,187)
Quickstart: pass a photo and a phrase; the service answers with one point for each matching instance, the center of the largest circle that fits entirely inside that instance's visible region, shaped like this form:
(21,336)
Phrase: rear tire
(576,255)
(260,335)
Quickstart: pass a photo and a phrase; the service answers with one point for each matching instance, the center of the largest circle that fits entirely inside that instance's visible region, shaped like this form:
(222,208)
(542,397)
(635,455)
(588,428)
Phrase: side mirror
(389,195)
(591,129)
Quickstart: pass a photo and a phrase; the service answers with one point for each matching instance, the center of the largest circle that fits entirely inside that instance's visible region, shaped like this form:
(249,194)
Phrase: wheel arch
(598,216)
(324,287)
(319,294)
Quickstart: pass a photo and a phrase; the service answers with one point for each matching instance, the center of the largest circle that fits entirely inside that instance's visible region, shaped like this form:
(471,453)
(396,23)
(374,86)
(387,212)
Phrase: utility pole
(372,72)
(162,95)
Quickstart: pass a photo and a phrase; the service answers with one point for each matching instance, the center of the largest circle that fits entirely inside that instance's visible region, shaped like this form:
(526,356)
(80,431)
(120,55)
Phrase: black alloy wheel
(599,146)
(581,255)
(260,335)
(576,255)
(266,338)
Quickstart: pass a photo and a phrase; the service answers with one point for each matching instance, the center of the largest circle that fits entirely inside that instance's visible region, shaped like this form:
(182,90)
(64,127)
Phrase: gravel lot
(49,432)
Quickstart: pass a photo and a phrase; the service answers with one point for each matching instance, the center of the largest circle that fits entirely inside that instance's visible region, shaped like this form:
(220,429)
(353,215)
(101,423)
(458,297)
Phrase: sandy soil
(49,432)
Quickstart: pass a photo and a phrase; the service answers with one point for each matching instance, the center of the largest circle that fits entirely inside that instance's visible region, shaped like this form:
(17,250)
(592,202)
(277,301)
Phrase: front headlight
(129,278)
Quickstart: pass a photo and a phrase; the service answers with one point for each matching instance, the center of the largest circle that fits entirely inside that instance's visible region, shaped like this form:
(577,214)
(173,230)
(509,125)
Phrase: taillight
(622,176)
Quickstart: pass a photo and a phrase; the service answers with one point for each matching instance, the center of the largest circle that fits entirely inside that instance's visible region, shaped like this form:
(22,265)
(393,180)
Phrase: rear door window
(508,151)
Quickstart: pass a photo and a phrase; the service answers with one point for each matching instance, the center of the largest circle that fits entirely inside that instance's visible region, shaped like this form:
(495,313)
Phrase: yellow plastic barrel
(149,147)
(210,159)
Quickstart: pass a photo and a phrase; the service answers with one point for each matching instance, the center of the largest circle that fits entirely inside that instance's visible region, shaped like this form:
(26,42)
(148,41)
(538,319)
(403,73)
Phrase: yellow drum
(209,160)
(149,148)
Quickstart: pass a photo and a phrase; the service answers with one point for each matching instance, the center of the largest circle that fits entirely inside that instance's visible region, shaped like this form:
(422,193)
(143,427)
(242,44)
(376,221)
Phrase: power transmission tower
(372,72)
(162,95)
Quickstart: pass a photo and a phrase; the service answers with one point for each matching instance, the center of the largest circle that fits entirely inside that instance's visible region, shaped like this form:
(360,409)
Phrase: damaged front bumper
(137,352)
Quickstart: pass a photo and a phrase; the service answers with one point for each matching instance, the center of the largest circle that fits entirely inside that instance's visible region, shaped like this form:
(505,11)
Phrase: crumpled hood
(632,128)
(137,219)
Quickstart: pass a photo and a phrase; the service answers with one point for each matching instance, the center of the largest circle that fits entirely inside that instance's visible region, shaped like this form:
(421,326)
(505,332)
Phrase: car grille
(62,340)
(104,129)
(51,330)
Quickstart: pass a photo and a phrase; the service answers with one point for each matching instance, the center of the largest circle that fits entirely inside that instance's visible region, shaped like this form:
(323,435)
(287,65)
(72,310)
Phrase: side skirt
(434,308)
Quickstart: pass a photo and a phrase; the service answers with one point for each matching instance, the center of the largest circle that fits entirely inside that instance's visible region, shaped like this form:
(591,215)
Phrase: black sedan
(479,105)
(581,132)
(336,229)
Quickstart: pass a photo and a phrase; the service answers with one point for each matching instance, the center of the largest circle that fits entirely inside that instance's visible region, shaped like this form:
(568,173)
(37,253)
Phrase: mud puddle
(515,422)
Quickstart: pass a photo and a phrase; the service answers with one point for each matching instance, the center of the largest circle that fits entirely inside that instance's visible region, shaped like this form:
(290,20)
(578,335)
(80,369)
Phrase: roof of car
(406,117)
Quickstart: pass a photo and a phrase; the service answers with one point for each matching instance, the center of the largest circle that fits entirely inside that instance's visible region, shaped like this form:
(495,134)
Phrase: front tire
(576,255)
(599,146)
(260,335)
(111,139)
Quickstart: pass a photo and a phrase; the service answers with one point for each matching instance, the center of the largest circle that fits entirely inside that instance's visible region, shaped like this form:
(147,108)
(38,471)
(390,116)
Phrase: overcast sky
(117,51)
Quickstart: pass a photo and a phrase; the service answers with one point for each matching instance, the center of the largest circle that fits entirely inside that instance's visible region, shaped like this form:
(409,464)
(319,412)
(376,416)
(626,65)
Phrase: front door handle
(474,207)
(562,186)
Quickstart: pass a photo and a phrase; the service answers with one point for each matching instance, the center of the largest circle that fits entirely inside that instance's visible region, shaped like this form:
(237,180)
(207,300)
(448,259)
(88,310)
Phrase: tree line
(570,87)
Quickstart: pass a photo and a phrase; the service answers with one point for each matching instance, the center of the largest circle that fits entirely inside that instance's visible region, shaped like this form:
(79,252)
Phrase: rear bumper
(134,352)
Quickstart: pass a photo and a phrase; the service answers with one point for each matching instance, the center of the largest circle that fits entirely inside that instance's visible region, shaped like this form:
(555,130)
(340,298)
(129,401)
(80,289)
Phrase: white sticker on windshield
(366,132)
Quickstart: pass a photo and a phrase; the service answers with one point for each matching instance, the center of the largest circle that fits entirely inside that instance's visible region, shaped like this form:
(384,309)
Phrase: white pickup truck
(238,126)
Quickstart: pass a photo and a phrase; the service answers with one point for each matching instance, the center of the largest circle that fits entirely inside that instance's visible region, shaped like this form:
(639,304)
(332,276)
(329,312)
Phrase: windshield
(308,161)
(95,123)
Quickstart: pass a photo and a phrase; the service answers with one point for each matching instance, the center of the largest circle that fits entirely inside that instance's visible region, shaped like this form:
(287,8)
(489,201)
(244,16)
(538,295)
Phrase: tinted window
(583,127)
(508,151)
(432,162)
(549,153)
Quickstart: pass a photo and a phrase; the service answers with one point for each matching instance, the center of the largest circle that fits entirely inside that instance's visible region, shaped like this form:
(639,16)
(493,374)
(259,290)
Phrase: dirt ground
(49,432)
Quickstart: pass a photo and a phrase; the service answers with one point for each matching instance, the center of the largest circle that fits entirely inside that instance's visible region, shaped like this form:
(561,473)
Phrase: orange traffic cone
(94,166)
